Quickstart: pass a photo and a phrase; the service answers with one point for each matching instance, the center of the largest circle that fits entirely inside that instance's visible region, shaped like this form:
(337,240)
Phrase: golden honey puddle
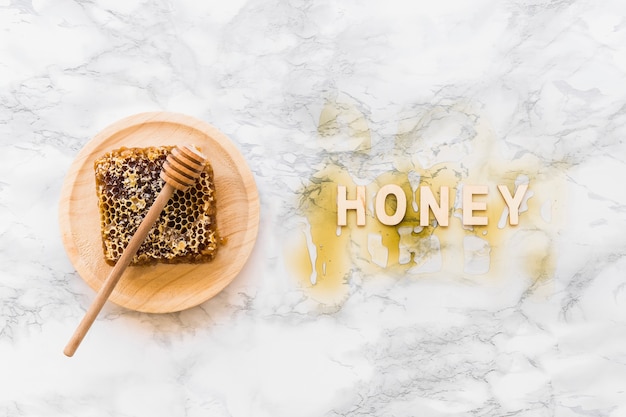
(325,257)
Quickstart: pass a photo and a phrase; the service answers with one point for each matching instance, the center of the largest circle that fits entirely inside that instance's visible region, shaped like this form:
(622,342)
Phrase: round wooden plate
(162,288)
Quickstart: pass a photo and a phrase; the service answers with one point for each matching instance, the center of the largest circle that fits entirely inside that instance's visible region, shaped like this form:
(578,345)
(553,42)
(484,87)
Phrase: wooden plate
(162,288)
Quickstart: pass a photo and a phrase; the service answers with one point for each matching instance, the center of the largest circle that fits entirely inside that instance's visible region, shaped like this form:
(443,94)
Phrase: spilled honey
(326,258)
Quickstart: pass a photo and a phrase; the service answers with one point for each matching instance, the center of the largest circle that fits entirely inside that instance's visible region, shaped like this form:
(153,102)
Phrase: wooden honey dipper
(180,171)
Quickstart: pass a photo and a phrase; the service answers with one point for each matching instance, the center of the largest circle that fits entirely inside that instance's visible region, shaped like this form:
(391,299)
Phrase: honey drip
(326,258)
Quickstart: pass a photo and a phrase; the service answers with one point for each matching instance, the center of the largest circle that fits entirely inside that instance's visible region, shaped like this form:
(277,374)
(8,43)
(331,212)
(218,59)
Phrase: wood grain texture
(162,288)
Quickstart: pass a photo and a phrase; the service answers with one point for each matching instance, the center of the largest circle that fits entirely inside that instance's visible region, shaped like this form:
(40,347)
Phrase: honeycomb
(127,183)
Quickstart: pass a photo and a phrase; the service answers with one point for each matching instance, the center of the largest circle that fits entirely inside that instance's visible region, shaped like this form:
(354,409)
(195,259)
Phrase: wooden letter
(381,198)
(427,201)
(343,205)
(469,205)
(513,202)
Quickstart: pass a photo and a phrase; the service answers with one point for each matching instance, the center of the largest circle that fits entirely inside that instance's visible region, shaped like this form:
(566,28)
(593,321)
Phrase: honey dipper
(180,171)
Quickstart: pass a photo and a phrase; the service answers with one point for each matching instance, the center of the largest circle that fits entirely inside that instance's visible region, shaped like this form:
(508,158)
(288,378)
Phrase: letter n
(428,203)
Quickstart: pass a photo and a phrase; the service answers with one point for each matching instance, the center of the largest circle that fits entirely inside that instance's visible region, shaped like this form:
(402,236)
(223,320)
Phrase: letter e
(469,205)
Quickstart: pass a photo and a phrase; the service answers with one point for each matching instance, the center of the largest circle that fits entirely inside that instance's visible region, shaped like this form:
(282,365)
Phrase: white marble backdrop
(426,82)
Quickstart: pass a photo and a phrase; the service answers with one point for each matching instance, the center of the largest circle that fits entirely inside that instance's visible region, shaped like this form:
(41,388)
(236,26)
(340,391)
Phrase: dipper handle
(180,170)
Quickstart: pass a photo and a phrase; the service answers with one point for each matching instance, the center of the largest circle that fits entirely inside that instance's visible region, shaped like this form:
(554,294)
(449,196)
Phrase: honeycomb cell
(127,183)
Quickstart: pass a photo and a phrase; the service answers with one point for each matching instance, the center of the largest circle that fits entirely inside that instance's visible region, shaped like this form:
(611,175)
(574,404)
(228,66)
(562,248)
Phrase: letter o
(381,198)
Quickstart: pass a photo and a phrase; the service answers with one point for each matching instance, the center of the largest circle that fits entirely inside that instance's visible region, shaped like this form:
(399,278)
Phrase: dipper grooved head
(182,167)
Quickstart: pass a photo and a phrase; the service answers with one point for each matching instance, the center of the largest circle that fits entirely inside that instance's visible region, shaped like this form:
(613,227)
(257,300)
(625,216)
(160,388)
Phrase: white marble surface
(533,87)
